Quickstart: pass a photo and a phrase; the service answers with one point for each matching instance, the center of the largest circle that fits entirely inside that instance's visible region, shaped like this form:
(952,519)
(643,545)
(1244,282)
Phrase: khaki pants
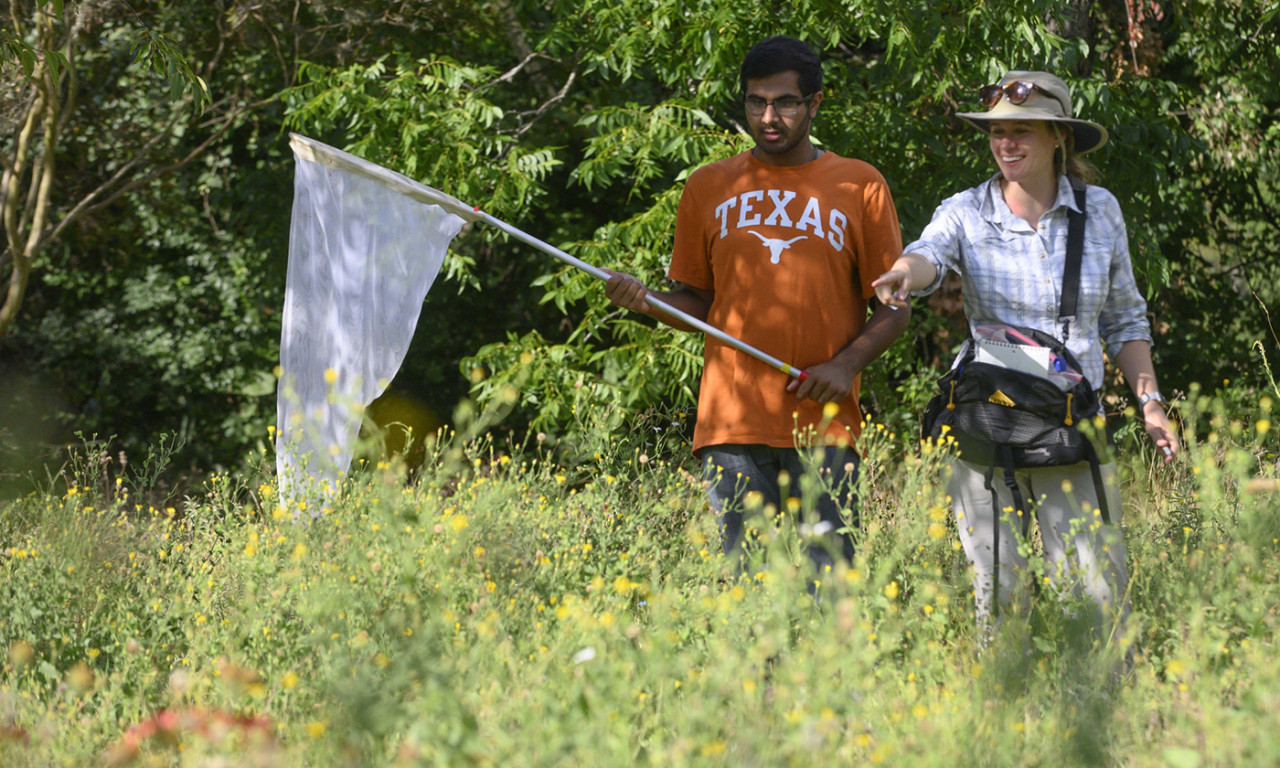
(1085,555)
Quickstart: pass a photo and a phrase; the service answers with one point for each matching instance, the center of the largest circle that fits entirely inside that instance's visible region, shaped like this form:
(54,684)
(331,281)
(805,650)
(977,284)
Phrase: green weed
(504,606)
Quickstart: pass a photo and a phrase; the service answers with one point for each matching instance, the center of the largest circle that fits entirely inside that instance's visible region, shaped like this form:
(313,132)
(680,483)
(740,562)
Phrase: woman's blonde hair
(1065,159)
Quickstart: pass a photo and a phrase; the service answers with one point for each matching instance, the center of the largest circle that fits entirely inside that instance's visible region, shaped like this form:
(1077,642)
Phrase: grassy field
(509,608)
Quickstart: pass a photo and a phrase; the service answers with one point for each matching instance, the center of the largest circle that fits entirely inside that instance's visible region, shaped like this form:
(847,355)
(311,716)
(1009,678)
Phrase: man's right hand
(626,291)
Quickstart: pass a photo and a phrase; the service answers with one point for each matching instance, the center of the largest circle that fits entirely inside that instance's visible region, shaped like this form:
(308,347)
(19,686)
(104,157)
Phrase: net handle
(319,152)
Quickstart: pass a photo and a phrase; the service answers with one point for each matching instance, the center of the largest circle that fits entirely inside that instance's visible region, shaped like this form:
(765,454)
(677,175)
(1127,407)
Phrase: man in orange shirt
(778,247)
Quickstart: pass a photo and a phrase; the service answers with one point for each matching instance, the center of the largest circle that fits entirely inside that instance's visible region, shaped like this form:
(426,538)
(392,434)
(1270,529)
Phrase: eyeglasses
(1016,92)
(785,106)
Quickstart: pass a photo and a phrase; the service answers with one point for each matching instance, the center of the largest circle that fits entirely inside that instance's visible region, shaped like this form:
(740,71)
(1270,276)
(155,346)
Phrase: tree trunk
(1072,21)
(523,51)
(24,219)
(48,98)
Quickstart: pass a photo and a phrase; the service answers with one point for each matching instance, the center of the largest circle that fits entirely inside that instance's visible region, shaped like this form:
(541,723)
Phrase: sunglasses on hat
(1016,92)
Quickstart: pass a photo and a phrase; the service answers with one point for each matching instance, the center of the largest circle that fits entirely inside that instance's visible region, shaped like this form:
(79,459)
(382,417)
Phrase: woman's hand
(1134,360)
(1157,423)
(911,272)
(893,287)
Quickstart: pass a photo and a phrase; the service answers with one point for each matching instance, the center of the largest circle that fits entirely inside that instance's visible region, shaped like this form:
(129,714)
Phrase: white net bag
(362,255)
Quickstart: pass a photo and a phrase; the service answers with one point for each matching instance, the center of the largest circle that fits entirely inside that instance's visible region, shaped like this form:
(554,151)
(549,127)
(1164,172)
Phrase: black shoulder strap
(1095,467)
(1075,254)
(1005,454)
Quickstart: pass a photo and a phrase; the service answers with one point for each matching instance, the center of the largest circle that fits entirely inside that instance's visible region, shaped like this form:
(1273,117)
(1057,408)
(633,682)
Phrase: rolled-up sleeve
(1124,313)
(939,243)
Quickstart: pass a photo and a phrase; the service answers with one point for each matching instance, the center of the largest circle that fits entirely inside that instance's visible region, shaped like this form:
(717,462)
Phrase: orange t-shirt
(790,253)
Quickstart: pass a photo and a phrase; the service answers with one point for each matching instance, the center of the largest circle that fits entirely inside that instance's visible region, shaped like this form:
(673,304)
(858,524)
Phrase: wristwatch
(1148,397)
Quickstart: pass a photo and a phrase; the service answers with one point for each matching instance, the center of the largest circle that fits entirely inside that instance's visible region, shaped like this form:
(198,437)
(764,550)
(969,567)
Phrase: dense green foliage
(157,309)
(507,610)
(562,601)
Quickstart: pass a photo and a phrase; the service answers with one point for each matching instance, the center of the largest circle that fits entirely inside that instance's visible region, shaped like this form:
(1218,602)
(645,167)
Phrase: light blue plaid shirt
(1012,273)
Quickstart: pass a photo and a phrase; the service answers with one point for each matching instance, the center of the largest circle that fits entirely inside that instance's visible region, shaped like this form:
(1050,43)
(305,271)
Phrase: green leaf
(57,62)
(258,384)
(48,671)
(1182,757)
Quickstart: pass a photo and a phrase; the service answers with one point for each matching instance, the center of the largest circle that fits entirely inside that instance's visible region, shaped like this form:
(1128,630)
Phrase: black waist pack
(991,410)
(1005,418)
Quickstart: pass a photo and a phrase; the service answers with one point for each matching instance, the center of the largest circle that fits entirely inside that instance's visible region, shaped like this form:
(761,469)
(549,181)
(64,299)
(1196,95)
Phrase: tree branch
(72,79)
(91,203)
(1133,43)
(16,20)
(547,105)
(510,74)
(83,206)
(14,176)
(21,268)
(30,96)
(515,35)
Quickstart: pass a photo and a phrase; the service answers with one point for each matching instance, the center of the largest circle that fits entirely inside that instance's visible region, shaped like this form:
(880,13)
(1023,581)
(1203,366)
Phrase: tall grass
(505,607)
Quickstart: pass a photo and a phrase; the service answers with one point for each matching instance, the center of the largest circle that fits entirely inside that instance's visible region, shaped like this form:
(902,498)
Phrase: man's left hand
(828,382)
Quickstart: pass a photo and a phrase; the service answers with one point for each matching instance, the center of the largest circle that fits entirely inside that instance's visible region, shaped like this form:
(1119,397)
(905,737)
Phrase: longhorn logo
(775,246)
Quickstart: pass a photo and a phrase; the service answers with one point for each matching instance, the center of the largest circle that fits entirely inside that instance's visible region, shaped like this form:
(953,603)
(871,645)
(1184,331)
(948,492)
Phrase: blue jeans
(733,471)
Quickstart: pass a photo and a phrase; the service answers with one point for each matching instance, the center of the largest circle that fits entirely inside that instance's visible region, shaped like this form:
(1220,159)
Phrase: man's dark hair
(782,54)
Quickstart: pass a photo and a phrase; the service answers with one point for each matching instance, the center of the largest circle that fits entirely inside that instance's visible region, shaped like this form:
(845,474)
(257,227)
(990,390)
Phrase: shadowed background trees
(151,296)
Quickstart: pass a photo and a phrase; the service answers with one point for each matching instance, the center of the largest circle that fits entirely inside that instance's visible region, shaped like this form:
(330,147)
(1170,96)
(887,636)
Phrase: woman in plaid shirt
(1007,240)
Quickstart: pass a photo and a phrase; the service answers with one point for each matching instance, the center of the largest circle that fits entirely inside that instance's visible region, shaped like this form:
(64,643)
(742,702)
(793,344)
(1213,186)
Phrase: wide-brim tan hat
(1049,101)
